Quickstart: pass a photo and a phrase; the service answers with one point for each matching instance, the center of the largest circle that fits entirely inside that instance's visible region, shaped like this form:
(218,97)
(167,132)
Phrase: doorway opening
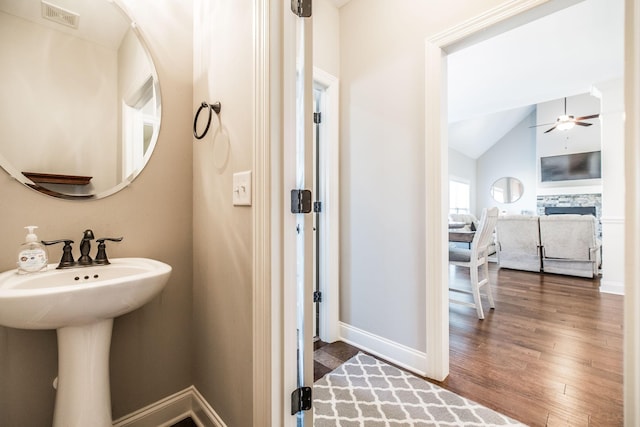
(438,50)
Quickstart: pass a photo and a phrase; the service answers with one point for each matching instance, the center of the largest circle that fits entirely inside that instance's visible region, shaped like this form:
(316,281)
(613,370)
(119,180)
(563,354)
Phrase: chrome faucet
(85,248)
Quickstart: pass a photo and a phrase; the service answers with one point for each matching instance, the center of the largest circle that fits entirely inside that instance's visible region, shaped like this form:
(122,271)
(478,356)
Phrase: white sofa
(470,221)
(570,245)
(518,242)
(560,244)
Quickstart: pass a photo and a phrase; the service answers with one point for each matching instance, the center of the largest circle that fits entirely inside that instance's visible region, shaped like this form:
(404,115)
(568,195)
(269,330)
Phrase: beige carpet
(366,392)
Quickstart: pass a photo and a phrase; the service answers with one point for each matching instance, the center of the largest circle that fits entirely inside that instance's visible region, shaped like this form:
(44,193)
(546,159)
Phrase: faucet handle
(67,257)
(101,256)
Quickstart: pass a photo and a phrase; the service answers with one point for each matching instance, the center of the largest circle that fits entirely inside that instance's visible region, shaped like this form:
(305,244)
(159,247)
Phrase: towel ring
(215,107)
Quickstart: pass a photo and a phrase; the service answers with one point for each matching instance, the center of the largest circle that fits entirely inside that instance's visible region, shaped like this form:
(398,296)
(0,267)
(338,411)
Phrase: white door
(298,223)
(318,230)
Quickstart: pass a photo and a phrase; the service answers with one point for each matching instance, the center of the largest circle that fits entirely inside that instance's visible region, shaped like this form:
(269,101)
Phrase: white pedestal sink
(80,303)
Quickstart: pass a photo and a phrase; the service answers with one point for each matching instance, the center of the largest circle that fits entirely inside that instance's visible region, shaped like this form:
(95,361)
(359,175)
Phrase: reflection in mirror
(507,190)
(79,97)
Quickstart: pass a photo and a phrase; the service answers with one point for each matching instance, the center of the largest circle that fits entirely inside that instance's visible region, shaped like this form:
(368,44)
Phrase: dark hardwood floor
(187,422)
(550,354)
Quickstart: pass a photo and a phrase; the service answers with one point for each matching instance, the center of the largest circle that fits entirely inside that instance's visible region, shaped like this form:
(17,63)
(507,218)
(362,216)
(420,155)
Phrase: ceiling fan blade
(547,131)
(543,124)
(593,116)
(583,124)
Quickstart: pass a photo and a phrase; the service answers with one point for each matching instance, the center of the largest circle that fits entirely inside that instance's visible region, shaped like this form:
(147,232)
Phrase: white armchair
(518,242)
(570,245)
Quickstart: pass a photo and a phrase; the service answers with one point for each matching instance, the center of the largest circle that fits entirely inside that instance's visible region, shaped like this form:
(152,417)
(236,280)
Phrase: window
(459,196)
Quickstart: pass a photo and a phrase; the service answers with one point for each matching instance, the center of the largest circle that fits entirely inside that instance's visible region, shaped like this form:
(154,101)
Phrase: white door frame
(267,272)
(329,328)
(436,176)
(632,215)
(274,282)
(269,345)
(436,165)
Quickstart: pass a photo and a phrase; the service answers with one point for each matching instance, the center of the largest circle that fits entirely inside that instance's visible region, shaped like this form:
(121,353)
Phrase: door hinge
(300,201)
(300,400)
(302,8)
(317,296)
(317,118)
(317,207)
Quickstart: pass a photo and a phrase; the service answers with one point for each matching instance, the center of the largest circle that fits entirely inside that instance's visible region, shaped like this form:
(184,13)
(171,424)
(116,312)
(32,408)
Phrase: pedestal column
(83,397)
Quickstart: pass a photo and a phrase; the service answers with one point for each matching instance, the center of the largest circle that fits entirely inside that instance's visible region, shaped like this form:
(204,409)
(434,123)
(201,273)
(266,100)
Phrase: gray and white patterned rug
(366,392)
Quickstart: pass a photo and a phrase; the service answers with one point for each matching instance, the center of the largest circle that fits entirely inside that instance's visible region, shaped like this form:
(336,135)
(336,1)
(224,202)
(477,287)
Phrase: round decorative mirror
(507,190)
(79,97)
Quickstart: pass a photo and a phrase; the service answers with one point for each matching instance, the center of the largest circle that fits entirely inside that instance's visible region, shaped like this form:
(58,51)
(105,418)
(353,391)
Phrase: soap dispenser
(32,255)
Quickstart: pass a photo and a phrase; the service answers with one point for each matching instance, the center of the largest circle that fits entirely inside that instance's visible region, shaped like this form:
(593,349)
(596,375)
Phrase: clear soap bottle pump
(32,255)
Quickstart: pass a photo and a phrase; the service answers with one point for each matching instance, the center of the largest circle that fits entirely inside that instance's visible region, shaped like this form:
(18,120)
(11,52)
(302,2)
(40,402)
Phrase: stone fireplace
(581,204)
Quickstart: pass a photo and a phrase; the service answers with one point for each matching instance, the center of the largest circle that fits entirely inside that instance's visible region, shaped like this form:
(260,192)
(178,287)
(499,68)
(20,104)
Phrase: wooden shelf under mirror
(50,178)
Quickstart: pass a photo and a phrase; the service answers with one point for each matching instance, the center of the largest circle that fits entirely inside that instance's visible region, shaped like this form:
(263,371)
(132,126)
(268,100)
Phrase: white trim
(288,221)
(398,354)
(330,221)
(168,411)
(460,180)
(613,226)
(436,213)
(261,219)
(610,287)
(632,215)
(618,220)
(480,24)
(436,175)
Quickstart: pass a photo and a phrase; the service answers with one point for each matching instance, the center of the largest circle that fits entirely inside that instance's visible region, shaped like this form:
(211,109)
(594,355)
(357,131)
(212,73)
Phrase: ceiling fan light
(566,125)
(565,122)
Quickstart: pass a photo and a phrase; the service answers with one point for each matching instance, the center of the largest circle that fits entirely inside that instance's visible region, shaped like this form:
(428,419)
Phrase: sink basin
(80,303)
(78,296)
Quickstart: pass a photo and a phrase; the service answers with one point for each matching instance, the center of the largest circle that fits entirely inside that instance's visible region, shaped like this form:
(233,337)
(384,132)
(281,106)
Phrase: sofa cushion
(568,236)
(459,255)
(519,233)
(518,238)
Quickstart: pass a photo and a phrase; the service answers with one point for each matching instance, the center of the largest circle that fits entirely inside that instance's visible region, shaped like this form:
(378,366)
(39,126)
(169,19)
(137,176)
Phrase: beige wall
(382,56)
(326,37)
(151,347)
(222,293)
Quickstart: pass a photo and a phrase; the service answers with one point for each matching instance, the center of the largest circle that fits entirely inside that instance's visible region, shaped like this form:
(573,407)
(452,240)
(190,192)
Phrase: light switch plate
(242,188)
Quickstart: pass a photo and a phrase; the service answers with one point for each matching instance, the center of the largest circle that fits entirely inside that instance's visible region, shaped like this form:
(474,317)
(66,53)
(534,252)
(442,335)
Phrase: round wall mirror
(507,190)
(79,97)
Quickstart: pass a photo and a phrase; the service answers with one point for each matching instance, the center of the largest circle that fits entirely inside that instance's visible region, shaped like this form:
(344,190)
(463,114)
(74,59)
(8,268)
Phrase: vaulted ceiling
(494,84)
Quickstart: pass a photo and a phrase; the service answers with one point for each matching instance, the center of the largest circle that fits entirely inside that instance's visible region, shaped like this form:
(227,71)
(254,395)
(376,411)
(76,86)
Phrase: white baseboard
(168,411)
(608,287)
(398,354)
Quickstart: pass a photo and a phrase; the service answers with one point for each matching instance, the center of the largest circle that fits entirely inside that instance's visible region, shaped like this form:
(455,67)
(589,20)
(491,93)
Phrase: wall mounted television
(569,167)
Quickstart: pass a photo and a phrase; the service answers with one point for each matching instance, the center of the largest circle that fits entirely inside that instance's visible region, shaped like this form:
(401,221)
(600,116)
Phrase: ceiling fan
(566,122)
